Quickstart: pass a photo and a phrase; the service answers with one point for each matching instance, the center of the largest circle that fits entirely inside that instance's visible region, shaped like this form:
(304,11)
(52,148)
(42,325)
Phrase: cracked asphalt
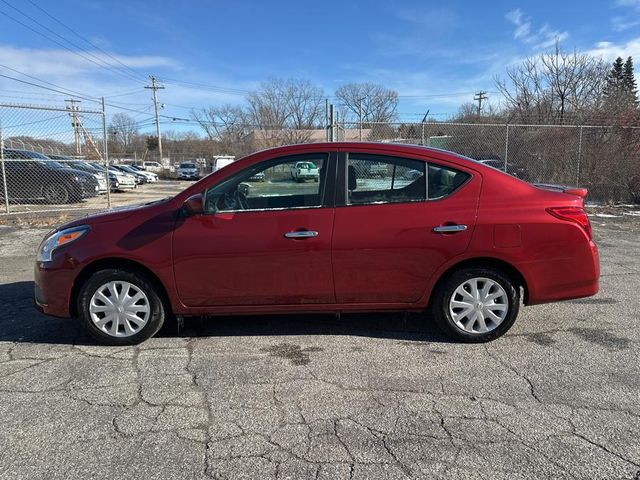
(364,396)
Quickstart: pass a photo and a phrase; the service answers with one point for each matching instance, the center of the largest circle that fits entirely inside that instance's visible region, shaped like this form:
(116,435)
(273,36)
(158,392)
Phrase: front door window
(285,183)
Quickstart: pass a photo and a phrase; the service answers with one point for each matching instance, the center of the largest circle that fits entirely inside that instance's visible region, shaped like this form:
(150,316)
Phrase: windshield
(187,165)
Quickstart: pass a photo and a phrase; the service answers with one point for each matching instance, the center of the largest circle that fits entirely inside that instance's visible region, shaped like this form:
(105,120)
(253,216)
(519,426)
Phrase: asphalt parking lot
(364,396)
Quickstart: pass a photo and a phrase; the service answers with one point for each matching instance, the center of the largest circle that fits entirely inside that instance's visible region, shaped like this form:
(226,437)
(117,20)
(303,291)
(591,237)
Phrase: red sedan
(386,227)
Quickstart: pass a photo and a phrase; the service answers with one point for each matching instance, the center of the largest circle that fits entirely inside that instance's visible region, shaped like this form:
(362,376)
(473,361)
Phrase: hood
(115,214)
(77,173)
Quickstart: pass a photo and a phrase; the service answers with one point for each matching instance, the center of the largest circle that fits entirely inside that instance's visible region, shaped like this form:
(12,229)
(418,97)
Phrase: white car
(302,171)
(151,166)
(124,179)
(150,176)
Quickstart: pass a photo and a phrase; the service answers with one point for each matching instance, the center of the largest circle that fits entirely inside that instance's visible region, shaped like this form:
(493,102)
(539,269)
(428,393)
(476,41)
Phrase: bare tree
(227,126)
(285,111)
(554,87)
(124,130)
(374,102)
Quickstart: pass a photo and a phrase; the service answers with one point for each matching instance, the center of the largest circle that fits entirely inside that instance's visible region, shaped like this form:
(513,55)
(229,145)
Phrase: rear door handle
(301,234)
(450,228)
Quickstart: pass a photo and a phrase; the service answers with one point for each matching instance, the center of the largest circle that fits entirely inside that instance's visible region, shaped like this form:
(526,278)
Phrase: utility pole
(71,105)
(326,117)
(360,115)
(479,97)
(154,86)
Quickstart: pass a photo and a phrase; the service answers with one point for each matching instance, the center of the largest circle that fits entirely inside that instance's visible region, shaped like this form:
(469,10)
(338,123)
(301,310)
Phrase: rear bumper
(563,278)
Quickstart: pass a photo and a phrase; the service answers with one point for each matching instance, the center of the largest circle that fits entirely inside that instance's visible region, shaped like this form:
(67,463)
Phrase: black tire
(157,308)
(56,193)
(439,307)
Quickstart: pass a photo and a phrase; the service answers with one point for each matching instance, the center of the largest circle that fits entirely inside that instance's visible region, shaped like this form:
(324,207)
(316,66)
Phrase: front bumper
(188,176)
(52,289)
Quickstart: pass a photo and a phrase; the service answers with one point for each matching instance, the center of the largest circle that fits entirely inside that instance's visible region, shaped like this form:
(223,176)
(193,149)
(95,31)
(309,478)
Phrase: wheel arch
(492,262)
(120,263)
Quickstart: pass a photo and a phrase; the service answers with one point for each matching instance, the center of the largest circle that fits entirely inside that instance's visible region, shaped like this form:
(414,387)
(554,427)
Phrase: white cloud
(73,73)
(63,63)
(609,51)
(524,31)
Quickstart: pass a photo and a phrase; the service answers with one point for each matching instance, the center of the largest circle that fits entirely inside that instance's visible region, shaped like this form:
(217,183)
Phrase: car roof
(379,147)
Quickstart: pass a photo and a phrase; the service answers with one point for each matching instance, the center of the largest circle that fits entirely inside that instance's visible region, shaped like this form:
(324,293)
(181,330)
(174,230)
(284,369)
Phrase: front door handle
(450,228)
(301,234)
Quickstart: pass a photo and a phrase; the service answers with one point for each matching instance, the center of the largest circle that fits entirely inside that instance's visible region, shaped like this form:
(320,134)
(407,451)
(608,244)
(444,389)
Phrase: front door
(265,239)
(385,248)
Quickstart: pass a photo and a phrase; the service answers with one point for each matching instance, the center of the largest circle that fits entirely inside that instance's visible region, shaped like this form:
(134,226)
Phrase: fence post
(4,176)
(105,153)
(422,136)
(579,155)
(506,146)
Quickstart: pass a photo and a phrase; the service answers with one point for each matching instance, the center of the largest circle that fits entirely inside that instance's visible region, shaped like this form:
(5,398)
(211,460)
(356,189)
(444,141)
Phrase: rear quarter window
(443,181)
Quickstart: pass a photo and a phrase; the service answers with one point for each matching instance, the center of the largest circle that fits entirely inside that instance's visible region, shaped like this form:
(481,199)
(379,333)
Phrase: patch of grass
(36,220)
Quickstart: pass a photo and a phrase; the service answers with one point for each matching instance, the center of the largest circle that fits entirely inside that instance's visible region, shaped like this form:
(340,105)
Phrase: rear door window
(384,179)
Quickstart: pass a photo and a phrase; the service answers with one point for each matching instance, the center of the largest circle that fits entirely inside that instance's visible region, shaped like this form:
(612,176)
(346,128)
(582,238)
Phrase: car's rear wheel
(56,193)
(476,304)
(119,307)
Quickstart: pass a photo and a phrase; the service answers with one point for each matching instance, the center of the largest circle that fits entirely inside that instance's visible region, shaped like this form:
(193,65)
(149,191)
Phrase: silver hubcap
(119,309)
(479,305)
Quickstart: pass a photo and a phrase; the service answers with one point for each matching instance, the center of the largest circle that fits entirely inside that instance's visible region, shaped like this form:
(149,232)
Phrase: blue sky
(435,54)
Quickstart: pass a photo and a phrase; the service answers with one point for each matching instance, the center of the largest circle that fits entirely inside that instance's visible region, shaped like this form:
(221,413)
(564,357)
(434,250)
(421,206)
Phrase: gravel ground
(364,396)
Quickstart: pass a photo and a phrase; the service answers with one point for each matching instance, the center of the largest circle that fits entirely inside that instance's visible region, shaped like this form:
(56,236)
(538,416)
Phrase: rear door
(396,222)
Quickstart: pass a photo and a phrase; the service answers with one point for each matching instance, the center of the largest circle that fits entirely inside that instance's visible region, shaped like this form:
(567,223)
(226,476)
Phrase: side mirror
(194,205)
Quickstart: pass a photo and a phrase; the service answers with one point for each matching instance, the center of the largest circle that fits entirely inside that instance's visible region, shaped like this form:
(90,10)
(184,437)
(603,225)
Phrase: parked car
(34,176)
(258,177)
(114,184)
(139,177)
(151,177)
(151,166)
(187,171)
(84,167)
(511,169)
(462,242)
(125,180)
(301,171)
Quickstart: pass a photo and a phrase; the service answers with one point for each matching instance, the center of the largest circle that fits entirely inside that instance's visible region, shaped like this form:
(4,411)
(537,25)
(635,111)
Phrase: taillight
(573,214)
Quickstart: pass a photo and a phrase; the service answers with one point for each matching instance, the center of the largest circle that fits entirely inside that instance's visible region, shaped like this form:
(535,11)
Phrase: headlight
(58,239)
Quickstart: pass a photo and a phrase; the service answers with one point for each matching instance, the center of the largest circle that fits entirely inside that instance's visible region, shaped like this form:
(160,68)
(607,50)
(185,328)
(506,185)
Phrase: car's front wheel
(119,307)
(476,304)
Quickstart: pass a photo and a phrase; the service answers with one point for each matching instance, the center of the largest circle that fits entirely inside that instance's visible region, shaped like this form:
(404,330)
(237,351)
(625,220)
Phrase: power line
(102,64)
(85,39)
(215,88)
(66,92)
(42,86)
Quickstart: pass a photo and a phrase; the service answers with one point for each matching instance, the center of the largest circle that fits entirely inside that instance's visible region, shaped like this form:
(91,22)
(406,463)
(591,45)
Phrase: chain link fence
(56,158)
(605,159)
(53,158)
